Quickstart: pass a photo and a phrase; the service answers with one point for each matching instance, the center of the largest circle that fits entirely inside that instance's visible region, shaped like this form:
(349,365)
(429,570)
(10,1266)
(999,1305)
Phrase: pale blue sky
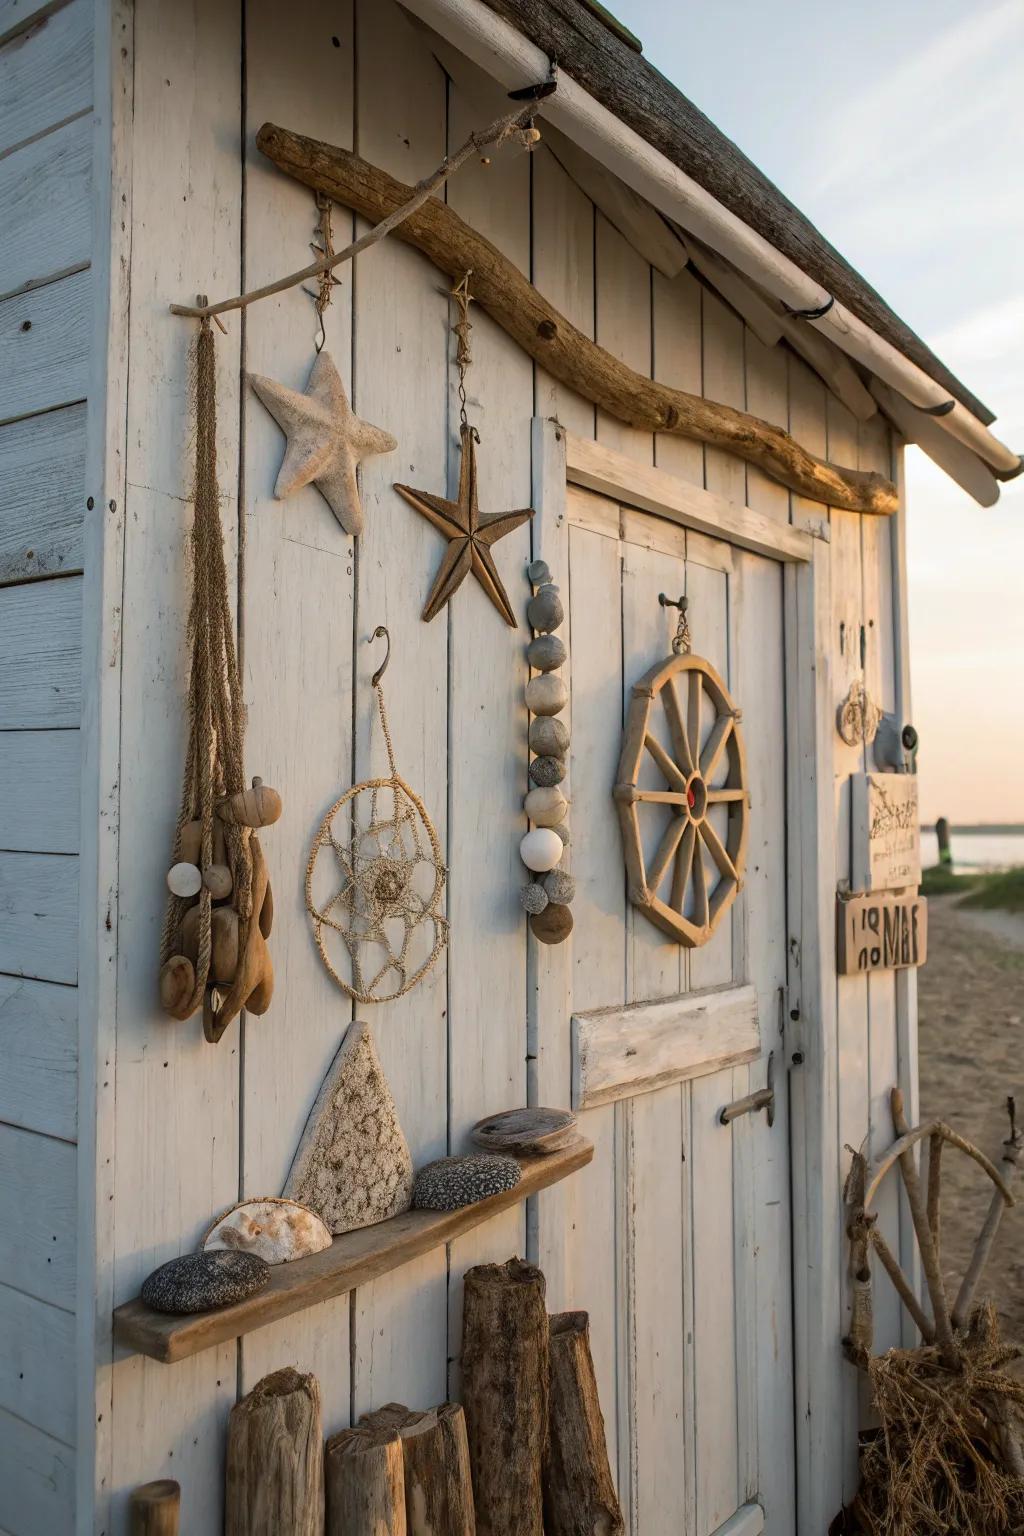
(897,126)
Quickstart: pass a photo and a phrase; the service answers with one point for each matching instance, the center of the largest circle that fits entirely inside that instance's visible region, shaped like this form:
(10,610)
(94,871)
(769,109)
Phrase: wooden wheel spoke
(677,728)
(717,851)
(723,796)
(700,887)
(711,756)
(671,771)
(693,707)
(660,796)
(684,864)
(666,851)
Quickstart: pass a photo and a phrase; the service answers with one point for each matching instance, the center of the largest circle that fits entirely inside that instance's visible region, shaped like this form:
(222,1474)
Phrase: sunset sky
(897,126)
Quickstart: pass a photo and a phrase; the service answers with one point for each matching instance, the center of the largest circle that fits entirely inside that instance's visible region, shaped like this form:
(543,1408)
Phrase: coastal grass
(1000,891)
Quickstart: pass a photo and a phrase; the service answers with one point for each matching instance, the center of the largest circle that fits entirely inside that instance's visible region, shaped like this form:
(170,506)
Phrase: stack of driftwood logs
(524,1456)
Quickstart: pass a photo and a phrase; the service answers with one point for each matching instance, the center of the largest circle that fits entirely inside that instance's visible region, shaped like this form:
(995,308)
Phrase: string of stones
(551,888)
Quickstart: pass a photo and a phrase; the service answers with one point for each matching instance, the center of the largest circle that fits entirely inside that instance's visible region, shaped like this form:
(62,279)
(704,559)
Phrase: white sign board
(886,832)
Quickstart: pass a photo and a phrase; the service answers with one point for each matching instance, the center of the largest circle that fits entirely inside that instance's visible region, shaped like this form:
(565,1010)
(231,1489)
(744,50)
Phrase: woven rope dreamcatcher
(392,876)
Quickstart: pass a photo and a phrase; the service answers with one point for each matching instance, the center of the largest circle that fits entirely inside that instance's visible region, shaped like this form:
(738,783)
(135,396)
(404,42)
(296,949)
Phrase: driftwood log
(365,1483)
(155,1508)
(505,1395)
(438,1485)
(275,1462)
(548,337)
(579,1494)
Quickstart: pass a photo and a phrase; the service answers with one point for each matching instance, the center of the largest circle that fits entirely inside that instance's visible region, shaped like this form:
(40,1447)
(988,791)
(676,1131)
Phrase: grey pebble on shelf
(450,1183)
(199,1282)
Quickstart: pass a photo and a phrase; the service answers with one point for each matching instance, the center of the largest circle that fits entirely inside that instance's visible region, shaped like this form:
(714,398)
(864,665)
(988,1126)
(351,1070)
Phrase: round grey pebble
(549,737)
(538,572)
(559,887)
(546,771)
(533,897)
(545,653)
(563,831)
(545,612)
(452,1182)
(199,1282)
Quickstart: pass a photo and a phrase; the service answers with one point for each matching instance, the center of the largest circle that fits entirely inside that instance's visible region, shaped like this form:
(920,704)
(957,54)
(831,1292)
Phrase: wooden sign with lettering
(886,832)
(880,932)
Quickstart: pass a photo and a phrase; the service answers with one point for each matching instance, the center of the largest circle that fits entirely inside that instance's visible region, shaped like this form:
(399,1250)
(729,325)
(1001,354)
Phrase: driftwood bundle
(947,1458)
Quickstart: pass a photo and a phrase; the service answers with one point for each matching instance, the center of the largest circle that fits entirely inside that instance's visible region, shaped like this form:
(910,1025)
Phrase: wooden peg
(259,806)
(217,879)
(155,1508)
(224,937)
(191,850)
(177,983)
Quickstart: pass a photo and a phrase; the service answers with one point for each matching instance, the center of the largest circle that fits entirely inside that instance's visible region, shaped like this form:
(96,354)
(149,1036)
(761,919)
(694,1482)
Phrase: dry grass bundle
(946,1459)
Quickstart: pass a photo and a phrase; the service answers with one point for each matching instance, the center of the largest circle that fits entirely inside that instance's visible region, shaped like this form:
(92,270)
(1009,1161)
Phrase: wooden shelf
(352,1260)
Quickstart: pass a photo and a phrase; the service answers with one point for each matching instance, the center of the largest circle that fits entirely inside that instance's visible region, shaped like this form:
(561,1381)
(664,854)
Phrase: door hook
(764,1098)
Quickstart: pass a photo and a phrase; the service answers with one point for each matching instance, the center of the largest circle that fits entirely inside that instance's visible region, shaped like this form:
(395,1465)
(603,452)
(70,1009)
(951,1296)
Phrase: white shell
(275,1230)
(184,880)
(546,805)
(541,849)
(546,695)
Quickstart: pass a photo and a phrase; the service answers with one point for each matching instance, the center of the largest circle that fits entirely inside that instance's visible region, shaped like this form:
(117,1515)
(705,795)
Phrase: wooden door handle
(764,1098)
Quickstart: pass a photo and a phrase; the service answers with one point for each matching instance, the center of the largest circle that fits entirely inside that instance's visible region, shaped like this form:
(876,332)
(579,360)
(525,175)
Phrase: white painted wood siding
(195,1125)
(46,311)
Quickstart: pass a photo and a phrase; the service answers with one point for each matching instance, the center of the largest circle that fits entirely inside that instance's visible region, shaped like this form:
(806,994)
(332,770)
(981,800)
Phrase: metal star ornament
(470,535)
(326,439)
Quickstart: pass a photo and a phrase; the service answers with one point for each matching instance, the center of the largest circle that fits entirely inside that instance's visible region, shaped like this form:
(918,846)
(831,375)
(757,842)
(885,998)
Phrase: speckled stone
(545,612)
(549,736)
(559,886)
(452,1182)
(547,771)
(199,1282)
(546,653)
(562,828)
(533,897)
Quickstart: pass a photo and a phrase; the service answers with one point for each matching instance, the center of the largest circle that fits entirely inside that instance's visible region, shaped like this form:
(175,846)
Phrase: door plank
(39,810)
(46,74)
(45,346)
(37,1215)
(39,1056)
(42,492)
(41,655)
(47,174)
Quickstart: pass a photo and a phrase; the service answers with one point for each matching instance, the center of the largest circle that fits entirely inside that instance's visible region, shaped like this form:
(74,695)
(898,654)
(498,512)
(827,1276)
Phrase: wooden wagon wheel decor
(704,775)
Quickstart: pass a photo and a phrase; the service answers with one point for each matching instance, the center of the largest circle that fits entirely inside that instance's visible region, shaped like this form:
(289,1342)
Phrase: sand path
(971,1009)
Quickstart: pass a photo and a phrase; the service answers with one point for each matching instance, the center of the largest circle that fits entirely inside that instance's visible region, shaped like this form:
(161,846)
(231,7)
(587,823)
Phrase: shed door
(698,1358)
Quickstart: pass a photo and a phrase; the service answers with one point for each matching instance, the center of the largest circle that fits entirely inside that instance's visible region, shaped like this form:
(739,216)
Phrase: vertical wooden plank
(400,380)
(723,380)
(678,361)
(623,326)
(880,682)
(848,643)
(654,1204)
(823,1383)
(764,1259)
(488,751)
(298,639)
(177,1100)
(563,271)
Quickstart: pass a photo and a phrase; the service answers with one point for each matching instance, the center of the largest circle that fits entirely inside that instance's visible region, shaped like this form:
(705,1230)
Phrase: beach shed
(704,408)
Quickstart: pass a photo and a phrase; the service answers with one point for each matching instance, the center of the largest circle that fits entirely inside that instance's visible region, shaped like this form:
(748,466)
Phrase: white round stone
(184,880)
(541,849)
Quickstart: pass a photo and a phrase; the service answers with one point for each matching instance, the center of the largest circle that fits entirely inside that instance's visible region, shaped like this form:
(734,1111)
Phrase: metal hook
(381,633)
(681,603)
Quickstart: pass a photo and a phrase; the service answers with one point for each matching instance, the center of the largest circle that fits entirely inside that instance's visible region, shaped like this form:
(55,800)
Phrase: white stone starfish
(326,439)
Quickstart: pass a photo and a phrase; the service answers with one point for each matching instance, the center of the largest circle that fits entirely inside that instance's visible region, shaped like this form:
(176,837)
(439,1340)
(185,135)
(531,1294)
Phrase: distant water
(976,850)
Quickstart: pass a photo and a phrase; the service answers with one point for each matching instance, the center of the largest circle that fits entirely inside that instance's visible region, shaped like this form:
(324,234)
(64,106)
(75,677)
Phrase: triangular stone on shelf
(353,1166)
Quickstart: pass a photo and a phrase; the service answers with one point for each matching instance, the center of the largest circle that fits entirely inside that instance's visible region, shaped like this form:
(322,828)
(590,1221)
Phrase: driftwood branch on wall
(569,356)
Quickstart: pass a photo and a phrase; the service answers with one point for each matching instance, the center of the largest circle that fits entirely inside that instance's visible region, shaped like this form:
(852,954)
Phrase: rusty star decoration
(326,439)
(470,535)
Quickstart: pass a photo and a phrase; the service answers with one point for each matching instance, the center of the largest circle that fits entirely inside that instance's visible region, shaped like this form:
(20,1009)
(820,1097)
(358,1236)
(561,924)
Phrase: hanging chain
(323,247)
(681,642)
(462,327)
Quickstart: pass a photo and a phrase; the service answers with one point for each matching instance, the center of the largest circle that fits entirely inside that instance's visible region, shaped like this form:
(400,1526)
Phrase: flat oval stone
(539,572)
(546,695)
(546,653)
(199,1282)
(452,1182)
(549,737)
(547,771)
(545,612)
(553,925)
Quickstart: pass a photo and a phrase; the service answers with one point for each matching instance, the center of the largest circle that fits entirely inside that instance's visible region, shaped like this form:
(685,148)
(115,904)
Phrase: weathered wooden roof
(602,61)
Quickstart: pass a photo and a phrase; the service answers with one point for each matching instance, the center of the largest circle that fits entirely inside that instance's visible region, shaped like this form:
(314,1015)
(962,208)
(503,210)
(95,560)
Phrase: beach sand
(971,1033)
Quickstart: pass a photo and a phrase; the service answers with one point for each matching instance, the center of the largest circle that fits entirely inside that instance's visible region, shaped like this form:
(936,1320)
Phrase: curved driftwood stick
(983,1247)
(569,356)
(925,1242)
(902,1284)
(921,1133)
